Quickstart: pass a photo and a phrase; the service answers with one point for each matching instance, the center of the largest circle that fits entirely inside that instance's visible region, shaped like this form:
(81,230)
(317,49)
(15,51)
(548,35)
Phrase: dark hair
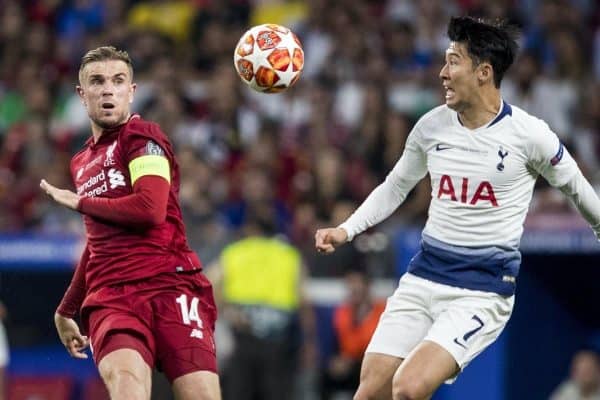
(486,41)
(105,53)
(261,221)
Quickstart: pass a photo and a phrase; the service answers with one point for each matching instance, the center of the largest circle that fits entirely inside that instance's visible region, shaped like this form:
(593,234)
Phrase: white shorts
(462,321)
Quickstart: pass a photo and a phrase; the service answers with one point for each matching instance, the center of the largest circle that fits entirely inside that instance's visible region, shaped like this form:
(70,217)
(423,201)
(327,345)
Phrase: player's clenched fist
(326,240)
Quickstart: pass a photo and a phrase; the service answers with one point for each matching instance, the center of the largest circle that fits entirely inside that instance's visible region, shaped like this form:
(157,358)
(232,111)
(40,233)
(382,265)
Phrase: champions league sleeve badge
(559,155)
(154,149)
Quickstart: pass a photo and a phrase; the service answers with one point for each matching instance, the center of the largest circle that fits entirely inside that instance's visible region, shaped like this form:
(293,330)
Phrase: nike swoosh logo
(439,147)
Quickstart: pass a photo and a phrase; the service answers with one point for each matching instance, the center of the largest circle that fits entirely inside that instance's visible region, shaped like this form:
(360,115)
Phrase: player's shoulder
(528,124)
(138,129)
(430,123)
(533,131)
(139,126)
(437,116)
(79,153)
(75,159)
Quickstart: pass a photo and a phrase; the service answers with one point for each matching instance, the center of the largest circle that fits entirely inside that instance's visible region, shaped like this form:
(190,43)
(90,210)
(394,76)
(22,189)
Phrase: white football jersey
(482,179)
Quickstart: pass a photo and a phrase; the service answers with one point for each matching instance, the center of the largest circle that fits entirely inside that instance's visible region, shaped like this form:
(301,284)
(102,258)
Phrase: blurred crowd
(583,382)
(309,156)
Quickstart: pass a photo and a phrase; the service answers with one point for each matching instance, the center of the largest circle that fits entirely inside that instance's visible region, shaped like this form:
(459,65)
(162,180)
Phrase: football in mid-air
(269,58)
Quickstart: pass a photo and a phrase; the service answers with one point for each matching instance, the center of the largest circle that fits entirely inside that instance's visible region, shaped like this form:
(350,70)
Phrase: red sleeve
(147,205)
(73,298)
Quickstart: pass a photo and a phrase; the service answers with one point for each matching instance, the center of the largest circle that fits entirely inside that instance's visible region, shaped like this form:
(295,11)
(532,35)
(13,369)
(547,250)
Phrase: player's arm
(582,194)
(73,297)
(383,200)
(551,159)
(146,206)
(150,174)
(67,328)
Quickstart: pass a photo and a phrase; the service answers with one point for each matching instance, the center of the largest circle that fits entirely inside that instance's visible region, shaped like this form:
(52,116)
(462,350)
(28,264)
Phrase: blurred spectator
(253,192)
(584,382)
(258,281)
(406,60)
(75,20)
(171,18)
(551,97)
(354,322)
(201,190)
(287,13)
(588,131)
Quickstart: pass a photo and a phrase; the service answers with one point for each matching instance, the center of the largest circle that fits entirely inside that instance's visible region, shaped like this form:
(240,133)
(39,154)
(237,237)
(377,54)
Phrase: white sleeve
(4,350)
(549,157)
(579,190)
(386,197)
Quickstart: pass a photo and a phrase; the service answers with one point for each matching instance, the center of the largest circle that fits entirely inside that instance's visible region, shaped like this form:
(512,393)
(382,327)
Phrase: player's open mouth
(108,106)
(449,92)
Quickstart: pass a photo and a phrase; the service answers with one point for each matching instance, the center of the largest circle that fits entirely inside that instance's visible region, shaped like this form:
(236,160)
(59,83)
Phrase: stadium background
(311,154)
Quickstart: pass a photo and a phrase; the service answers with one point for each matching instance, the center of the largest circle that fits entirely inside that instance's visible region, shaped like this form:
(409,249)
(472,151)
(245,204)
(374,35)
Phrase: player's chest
(100,171)
(498,159)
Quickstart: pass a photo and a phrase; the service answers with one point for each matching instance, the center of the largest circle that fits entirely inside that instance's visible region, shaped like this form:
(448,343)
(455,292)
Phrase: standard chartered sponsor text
(93,181)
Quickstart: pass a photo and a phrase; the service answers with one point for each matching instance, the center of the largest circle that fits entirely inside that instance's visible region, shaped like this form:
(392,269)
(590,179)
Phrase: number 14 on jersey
(189,314)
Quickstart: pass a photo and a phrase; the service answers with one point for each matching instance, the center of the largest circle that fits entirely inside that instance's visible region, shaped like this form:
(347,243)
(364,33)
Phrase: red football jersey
(119,252)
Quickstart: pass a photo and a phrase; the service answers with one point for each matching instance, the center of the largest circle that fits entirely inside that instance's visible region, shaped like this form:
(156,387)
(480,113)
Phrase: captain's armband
(149,165)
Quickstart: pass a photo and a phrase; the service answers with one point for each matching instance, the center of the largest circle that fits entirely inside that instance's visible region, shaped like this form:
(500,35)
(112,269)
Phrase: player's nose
(444,72)
(108,88)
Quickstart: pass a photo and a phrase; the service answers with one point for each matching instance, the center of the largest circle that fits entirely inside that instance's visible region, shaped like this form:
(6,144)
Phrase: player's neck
(481,111)
(97,130)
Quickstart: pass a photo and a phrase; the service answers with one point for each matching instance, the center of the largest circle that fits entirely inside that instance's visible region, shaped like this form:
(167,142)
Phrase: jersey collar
(505,110)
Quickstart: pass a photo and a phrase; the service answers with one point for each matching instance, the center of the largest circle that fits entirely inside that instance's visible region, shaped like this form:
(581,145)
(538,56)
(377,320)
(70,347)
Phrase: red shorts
(169,319)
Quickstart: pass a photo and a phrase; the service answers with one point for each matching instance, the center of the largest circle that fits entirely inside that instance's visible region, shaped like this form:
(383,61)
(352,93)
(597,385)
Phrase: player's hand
(70,336)
(326,240)
(61,196)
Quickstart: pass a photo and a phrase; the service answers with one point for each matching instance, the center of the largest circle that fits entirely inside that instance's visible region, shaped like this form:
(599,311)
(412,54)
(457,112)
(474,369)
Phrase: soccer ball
(269,58)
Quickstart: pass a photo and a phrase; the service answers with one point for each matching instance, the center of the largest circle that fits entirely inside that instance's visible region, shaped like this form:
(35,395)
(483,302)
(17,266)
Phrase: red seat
(40,388)
(94,389)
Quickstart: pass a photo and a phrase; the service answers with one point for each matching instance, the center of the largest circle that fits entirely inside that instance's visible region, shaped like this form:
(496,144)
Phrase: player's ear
(80,93)
(131,92)
(485,73)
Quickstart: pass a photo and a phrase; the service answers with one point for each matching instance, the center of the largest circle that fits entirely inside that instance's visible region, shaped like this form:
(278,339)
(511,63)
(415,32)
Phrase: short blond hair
(104,53)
